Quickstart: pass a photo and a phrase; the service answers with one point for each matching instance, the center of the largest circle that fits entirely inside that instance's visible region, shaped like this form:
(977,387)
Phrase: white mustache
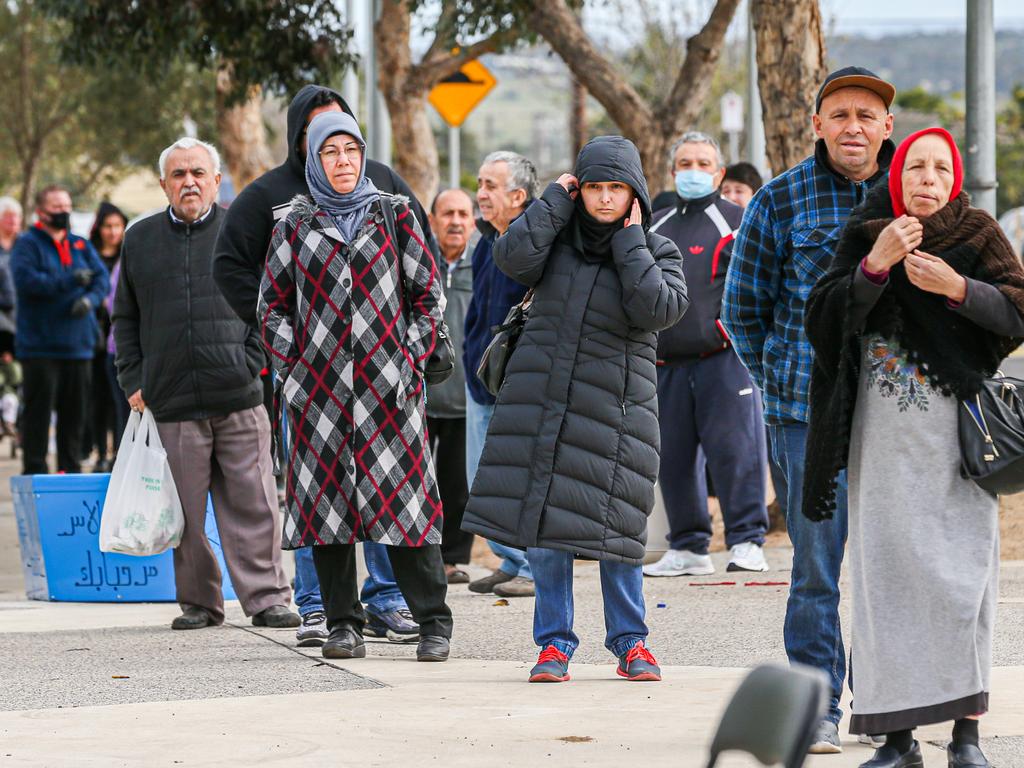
(190,190)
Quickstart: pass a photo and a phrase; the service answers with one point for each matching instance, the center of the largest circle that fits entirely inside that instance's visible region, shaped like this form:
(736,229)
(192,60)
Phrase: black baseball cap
(856,77)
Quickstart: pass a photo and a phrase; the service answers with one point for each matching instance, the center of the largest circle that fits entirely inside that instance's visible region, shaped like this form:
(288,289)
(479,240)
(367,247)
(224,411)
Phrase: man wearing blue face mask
(710,413)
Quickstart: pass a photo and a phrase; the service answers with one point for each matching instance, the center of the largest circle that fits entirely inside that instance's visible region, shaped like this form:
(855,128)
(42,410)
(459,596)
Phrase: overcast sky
(882,16)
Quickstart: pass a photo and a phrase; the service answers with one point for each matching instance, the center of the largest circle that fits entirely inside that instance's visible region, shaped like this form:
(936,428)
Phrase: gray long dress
(923,554)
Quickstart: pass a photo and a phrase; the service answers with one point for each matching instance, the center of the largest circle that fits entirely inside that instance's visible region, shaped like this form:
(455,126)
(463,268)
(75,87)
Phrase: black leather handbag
(491,370)
(991,426)
(441,363)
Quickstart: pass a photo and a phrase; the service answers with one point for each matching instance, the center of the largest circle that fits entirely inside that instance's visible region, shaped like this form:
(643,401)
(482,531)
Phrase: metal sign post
(454,157)
(454,98)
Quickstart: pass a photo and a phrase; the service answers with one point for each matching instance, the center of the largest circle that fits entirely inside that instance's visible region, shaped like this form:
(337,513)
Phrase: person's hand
(932,274)
(136,401)
(570,184)
(636,215)
(898,239)
(83,277)
(81,307)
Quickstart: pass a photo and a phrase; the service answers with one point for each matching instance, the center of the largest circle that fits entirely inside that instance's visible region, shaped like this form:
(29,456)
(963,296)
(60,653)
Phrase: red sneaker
(552,667)
(639,664)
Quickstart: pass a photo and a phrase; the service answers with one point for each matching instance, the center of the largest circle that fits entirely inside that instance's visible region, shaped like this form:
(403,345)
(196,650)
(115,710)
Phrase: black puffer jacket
(177,338)
(572,451)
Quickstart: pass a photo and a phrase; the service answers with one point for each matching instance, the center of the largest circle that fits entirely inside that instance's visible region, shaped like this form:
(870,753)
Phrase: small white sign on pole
(732,112)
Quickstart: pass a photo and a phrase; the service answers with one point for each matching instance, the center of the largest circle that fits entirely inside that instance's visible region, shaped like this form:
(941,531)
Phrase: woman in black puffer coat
(571,456)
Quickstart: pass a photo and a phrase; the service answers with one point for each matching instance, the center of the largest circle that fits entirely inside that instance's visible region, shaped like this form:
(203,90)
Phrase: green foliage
(83,126)
(278,44)
(920,100)
(1010,152)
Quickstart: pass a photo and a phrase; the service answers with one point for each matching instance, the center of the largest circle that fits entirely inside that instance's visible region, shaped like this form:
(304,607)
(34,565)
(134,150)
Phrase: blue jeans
(812,633)
(307,586)
(380,590)
(478,418)
(622,588)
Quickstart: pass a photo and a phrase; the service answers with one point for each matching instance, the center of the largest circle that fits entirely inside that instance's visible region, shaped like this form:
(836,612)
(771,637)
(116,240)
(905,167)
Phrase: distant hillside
(933,61)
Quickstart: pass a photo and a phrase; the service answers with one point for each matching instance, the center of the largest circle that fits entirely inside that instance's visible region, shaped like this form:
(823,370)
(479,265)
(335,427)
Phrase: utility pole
(980,157)
(754,127)
(377,123)
(350,85)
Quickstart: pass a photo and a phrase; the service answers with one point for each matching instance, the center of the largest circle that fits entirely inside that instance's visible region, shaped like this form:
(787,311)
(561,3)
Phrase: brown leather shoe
(456,575)
(488,583)
(517,587)
(192,618)
(276,617)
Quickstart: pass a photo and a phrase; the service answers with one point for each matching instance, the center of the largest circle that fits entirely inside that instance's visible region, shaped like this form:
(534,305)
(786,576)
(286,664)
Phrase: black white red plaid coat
(349,328)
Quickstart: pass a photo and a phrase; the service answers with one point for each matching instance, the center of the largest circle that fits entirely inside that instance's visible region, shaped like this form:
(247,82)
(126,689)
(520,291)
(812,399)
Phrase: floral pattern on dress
(893,375)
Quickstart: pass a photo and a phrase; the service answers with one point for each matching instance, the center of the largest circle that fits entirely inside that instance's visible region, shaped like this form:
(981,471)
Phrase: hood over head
(615,158)
(298,111)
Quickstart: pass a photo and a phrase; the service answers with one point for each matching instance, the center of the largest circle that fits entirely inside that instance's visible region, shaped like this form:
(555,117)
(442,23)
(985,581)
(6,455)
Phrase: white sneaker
(680,562)
(875,741)
(747,556)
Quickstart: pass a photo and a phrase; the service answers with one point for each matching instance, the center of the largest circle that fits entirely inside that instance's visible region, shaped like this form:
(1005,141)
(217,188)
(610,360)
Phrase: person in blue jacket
(59,280)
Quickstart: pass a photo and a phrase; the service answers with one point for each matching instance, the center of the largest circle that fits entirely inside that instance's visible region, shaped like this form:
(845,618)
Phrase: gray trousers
(229,457)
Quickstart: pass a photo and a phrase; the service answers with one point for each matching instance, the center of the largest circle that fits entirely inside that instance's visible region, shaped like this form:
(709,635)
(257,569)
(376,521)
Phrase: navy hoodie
(703,229)
(241,250)
(47,290)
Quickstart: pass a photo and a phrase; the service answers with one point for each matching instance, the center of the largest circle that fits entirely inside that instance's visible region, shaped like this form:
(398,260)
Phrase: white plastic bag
(142,513)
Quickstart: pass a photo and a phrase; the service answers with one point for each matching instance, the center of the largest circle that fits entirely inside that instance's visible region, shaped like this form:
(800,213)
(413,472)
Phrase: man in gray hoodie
(451,218)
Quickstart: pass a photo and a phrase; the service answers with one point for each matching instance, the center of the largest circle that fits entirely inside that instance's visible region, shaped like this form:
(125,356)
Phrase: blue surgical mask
(692,185)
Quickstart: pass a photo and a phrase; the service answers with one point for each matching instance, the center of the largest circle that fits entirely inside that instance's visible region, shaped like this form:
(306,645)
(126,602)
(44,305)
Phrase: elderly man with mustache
(183,353)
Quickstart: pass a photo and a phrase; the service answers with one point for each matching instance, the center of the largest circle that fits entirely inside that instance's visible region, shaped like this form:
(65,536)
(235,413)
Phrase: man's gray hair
(695,137)
(521,173)
(9,204)
(187,142)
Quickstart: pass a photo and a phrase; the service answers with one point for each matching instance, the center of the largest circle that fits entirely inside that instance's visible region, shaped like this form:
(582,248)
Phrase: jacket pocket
(813,251)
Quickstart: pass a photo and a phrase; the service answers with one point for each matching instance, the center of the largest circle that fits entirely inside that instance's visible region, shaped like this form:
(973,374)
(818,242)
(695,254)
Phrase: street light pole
(378,124)
(980,157)
(754,119)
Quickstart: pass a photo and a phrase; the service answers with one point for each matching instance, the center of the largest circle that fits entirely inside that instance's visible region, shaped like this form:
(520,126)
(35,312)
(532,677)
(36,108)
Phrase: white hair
(187,142)
(695,137)
(521,173)
(9,204)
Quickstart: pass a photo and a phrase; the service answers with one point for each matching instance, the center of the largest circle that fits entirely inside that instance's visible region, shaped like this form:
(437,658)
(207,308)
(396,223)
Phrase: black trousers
(101,421)
(50,384)
(418,571)
(448,447)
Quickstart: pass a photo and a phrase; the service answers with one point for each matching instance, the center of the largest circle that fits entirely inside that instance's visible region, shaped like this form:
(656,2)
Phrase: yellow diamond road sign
(456,96)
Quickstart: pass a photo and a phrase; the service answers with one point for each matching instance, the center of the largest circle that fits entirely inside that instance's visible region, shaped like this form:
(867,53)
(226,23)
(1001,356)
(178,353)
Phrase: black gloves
(82,306)
(83,277)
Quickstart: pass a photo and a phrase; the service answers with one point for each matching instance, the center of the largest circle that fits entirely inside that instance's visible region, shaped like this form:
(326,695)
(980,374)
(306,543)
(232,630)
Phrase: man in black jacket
(710,410)
(238,264)
(182,353)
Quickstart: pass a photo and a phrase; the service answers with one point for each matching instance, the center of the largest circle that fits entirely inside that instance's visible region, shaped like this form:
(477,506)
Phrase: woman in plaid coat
(350,305)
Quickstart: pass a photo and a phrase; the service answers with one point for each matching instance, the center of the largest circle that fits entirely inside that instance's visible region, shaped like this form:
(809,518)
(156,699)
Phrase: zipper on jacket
(188,317)
(625,385)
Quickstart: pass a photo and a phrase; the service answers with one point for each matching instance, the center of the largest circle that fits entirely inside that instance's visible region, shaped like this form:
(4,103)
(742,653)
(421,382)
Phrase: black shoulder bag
(991,426)
(491,370)
(441,363)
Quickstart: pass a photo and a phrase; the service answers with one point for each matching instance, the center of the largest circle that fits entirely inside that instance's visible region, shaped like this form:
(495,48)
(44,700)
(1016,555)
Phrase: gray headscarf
(350,210)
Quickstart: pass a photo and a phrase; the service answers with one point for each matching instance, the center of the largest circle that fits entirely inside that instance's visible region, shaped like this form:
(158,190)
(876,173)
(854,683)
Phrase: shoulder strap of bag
(387,210)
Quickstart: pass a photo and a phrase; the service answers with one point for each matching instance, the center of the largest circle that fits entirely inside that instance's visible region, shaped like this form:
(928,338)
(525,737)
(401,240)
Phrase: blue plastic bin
(58,530)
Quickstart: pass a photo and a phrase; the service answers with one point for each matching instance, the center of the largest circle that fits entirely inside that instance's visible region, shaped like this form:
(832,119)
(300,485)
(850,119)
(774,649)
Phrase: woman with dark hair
(350,309)
(923,301)
(572,450)
(106,235)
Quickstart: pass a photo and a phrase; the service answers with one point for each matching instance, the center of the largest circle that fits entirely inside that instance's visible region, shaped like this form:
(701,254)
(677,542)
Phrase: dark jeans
(448,447)
(121,408)
(710,415)
(812,633)
(418,571)
(101,405)
(48,385)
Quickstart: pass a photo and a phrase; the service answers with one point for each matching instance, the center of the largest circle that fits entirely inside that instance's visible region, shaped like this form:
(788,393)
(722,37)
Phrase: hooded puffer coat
(571,455)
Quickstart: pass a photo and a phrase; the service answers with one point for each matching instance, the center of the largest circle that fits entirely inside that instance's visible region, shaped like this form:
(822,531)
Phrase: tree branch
(430,72)
(559,26)
(694,80)
(442,32)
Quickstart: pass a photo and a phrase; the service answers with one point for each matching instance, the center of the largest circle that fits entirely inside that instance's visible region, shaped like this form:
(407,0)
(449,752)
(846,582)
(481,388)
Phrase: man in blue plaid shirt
(786,242)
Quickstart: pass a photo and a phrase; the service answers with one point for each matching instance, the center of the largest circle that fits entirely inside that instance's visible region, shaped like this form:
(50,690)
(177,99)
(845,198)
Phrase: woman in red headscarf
(924,299)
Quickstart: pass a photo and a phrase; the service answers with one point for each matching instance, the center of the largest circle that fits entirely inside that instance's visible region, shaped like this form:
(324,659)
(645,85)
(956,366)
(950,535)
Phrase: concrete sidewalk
(111,685)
